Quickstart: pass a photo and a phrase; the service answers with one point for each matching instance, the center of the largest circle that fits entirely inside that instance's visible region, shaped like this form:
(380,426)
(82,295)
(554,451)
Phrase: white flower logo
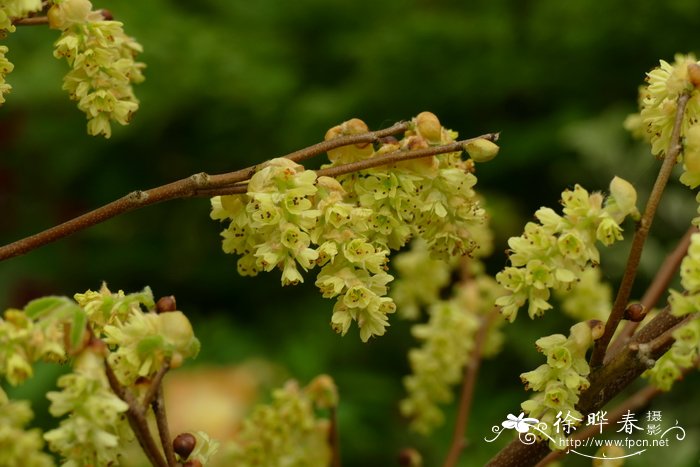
(519,423)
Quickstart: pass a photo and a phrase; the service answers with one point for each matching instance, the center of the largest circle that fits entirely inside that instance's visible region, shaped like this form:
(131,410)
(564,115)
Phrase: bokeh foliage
(230,83)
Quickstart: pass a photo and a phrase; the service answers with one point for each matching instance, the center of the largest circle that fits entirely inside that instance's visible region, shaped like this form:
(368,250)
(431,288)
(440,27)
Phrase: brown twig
(158,405)
(137,419)
(625,289)
(196,185)
(204,185)
(386,159)
(467,395)
(657,288)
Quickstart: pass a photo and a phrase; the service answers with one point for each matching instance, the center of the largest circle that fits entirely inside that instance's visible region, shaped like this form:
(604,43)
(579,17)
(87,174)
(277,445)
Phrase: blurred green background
(231,83)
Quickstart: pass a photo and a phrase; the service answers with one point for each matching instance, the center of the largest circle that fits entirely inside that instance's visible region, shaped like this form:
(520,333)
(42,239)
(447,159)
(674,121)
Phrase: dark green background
(230,83)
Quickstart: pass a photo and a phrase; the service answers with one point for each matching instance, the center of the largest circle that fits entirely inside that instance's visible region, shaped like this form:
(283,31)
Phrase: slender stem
(155,385)
(195,185)
(625,289)
(467,395)
(158,405)
(204,185)
(137,419)
(334,438)
(31,21)
(657,288)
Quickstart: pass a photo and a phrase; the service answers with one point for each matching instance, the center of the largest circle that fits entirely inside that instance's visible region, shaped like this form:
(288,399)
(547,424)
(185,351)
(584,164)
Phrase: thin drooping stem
(204,185)
(640,236)
(155,385)
(658,287)
(466,397)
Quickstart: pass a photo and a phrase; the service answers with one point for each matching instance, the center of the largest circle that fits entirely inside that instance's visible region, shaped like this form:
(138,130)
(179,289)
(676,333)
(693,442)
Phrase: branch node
(200,180)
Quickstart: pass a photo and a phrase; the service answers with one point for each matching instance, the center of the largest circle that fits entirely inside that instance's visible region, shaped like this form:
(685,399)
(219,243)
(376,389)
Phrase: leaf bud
(184,444)
(635,312)
(166,304)
(481,150)
(429,126)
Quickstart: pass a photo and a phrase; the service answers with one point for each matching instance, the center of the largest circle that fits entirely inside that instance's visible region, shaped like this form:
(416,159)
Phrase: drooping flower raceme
(559,382)
(288,431)
(658,107)
(102,63)
(447,342)
(18,445)
(555,252)
(95,432)
(289,217)
(684,352)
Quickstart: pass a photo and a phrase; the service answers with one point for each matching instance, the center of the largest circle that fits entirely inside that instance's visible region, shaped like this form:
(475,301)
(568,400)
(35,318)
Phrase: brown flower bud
(184,444)
(165,304)
(635,312)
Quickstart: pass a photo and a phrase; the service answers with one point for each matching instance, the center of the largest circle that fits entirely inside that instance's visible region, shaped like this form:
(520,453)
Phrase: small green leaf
(42,306)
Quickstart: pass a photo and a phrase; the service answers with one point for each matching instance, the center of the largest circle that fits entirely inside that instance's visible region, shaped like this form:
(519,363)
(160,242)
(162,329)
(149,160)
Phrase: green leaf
(42,306)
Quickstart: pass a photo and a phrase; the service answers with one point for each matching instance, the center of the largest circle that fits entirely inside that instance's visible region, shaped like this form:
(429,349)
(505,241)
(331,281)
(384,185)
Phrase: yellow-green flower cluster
(145,341)
(683,354)
(19,446)
(12,9)
(38,333)
(95,431)
(554,253)
(290,217)
(288,431)
(559,382)
(447,341)
(5,68)
(686,348)
(658,106)
(421,279)
(102,64)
